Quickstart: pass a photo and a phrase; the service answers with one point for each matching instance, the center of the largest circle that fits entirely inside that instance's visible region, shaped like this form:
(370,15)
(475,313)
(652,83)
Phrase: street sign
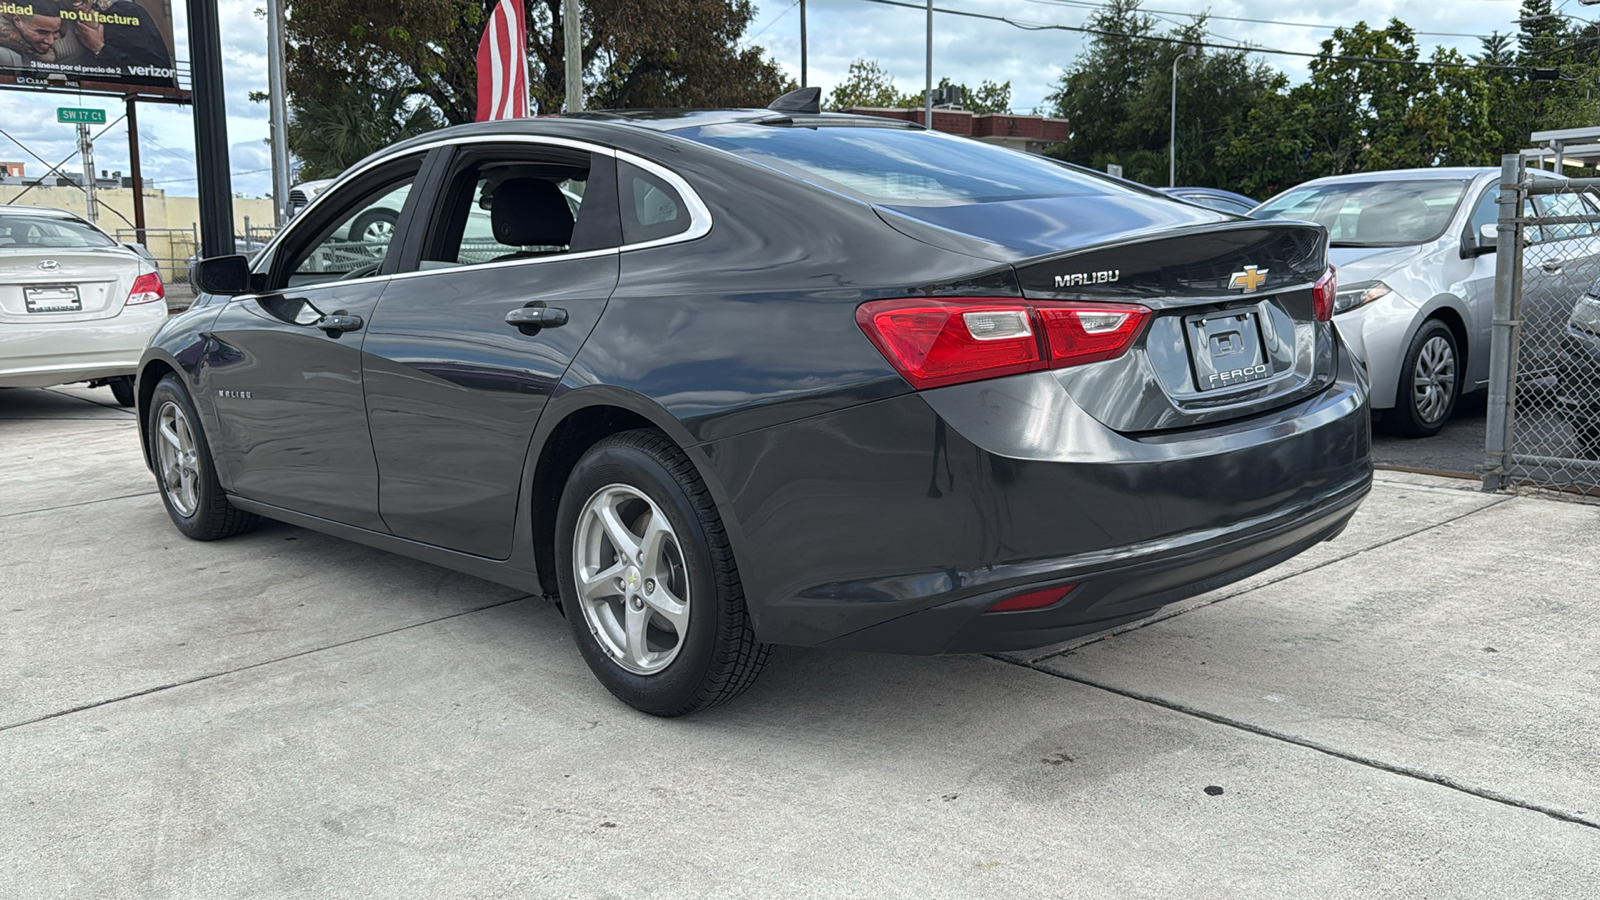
(73,115)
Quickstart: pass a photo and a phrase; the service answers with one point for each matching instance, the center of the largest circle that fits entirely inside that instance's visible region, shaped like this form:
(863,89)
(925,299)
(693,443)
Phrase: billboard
(110,44)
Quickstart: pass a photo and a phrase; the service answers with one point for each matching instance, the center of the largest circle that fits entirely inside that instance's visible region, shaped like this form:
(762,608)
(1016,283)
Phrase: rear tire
(661,618)
(185,473)
(122,389)
(1430,382)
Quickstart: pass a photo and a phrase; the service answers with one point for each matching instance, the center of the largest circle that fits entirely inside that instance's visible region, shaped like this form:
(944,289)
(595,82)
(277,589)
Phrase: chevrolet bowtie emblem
(1248,280)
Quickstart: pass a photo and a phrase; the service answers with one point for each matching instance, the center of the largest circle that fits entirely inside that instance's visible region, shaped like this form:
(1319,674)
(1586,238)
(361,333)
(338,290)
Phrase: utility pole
(572,41)
(86,150)
(1189,52)
(802,43)
(927,93)
(277,96)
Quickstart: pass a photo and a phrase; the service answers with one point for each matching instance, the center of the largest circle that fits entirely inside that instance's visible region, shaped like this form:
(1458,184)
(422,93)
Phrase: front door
(285,364)
(464,350)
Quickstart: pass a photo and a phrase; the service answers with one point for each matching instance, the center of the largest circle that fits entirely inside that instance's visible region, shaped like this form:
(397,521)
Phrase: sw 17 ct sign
(111,42)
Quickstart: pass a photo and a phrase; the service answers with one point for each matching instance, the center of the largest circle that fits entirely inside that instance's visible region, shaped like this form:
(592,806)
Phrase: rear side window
(903,167)
(651,208)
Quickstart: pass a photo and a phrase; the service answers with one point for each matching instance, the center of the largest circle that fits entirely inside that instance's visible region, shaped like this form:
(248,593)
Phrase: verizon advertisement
(112,42)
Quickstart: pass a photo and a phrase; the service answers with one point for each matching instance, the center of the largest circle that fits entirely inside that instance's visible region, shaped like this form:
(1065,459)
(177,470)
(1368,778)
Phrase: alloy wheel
(1434,379)
(379,231)
(179,458)
(632,584)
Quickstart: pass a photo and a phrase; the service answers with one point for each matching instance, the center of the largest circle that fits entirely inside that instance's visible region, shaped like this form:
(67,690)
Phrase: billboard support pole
(133,164)
(86,150)
(210,130)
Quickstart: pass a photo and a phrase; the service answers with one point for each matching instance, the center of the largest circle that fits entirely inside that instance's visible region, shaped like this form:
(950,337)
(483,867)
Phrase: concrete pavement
(1405,712)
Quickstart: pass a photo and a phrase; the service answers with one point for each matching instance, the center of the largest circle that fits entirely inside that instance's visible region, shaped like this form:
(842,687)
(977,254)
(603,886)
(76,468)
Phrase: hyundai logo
(49,265)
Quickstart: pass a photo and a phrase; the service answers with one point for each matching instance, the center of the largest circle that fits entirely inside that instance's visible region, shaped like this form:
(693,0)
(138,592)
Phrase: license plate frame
(1226,349)
(52,298)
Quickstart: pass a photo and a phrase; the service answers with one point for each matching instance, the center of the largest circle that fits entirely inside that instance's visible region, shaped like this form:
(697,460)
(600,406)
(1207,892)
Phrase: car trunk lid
(68,285)
(1234,331)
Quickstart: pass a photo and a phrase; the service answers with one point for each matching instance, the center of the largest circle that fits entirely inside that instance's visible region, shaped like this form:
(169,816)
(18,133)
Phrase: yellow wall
(171,220)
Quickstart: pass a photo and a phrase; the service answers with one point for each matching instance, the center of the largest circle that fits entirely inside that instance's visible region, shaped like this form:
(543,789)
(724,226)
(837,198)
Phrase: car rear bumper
(48,353)
(894,526)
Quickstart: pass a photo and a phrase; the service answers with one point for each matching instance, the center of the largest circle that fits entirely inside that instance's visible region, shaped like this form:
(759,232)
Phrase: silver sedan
(74,304)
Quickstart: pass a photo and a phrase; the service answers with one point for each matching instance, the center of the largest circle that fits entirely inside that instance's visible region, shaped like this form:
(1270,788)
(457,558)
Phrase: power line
(1236,48)
(1089,4)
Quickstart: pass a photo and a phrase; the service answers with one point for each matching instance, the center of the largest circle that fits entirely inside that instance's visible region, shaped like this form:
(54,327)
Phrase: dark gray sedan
(783,377)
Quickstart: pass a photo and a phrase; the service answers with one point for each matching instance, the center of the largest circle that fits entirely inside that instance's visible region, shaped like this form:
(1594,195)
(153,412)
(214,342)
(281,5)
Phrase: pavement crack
(256,665)
(1309,744)
(1170,614)
(45,509)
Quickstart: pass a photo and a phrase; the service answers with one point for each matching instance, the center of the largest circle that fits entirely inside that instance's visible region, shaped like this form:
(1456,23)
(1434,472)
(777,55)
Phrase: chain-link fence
(1544,388)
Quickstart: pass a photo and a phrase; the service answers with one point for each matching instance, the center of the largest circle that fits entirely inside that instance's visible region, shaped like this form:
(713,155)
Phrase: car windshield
(20,231)
(902,167)
(1371,213)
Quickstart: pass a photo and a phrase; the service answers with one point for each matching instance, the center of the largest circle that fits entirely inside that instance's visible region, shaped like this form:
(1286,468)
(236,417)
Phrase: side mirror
(1485,241)
(228,276)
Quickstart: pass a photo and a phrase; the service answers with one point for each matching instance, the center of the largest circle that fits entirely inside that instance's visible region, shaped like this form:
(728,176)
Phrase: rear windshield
(1371,213)
(902,167)
(20,231)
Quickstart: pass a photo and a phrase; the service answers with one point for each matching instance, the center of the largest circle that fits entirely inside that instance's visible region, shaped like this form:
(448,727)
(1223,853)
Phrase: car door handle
(1552,265)
(337,324)
(529,319)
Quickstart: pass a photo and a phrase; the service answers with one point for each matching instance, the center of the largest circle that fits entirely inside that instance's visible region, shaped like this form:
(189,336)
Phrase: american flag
(503,64)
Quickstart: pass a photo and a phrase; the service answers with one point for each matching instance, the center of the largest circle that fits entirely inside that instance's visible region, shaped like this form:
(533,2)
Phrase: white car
(75,305)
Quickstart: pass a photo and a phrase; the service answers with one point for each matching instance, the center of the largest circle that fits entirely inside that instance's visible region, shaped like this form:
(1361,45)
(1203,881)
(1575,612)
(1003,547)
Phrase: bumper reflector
(1033,599)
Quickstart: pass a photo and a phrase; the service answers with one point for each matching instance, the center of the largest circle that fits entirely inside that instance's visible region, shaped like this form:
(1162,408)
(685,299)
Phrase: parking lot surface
(1408,711)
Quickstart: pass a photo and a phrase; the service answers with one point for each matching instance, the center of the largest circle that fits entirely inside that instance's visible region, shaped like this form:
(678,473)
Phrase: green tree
(354,121)
(868,84)
(636,53)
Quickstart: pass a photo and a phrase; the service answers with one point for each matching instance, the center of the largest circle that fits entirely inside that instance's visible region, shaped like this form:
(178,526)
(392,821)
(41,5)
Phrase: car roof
(48,212)
(1441,173)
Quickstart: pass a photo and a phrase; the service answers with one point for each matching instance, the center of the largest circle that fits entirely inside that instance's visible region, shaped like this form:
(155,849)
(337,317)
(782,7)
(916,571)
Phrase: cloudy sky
(965,49)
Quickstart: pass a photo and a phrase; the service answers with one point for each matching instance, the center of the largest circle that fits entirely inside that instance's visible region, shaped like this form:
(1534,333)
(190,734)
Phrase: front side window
(1554,205)
(359,240)
(1371,213)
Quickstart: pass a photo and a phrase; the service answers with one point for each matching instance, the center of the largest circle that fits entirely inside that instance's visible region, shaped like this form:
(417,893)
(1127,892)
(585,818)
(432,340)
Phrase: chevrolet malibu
(782,378)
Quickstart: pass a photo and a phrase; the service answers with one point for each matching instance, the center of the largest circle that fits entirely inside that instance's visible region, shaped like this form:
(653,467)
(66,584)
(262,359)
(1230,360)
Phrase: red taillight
(146,289)
(1322,294)
(1033,599)
(933,343)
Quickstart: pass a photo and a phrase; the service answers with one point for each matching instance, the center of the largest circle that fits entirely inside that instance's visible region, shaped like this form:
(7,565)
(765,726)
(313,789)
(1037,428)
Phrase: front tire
(648,580)
(1430,382)
(185,473)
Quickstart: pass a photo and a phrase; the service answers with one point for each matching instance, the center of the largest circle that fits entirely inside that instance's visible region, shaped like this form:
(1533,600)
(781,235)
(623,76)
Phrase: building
(1030,133)
(12,169)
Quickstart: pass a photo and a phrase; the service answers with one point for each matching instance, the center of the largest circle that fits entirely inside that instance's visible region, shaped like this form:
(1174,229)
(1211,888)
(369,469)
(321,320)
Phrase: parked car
(1213,198)
(301,195)
(74,304)
(1578,386)
(785,377)
(1416,279)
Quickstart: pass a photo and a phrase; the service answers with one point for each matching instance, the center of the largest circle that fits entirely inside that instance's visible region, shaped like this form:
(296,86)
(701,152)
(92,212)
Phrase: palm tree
(352,122)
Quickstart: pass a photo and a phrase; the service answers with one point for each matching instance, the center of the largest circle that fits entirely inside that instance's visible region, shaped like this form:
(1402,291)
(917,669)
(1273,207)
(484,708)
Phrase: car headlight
(1356,295)
(1586,315)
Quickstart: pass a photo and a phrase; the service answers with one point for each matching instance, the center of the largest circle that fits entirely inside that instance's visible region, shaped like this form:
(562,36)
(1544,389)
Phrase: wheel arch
(154,367)
(572,424)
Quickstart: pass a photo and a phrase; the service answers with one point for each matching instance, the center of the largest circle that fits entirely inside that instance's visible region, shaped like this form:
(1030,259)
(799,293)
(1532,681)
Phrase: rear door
(519,232)
(284,366)
(1561,262)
